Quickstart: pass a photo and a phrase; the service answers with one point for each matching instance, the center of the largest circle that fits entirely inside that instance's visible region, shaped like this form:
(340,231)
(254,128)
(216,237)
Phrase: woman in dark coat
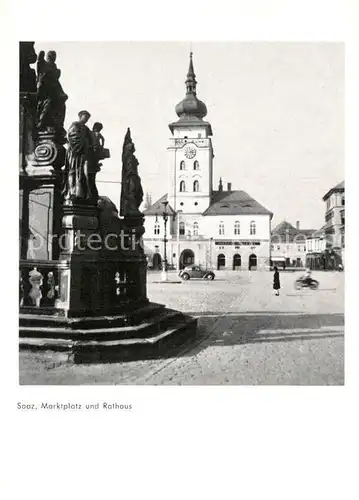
(276,282)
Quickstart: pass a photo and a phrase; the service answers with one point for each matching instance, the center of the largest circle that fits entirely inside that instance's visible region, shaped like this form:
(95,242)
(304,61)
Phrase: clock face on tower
(190,152)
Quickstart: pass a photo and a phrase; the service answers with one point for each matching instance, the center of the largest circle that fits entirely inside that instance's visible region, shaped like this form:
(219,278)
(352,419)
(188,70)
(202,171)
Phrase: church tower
(191,153)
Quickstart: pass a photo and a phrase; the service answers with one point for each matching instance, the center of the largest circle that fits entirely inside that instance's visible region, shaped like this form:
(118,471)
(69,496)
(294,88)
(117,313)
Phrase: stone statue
(131,193)
(27,129)
(80,162)
(27,74)
(99,140)
(51,98)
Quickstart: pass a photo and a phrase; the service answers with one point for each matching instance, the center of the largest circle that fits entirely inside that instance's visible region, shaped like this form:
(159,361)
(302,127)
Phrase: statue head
(97,127)
(51,56)
(84,116)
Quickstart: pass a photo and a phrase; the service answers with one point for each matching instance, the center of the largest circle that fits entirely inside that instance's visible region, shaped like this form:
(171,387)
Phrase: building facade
(289,245)
(335,221)
(316,246)
(326,247)
(218,229)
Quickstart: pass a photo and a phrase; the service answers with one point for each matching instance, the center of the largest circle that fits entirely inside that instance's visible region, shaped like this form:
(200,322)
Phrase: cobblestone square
(246,336)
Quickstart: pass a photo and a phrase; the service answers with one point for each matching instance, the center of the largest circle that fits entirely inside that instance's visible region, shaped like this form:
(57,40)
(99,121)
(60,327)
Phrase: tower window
(182,186)
(181,203)
(182,165)
(156,228)
(181,228)
(252,227)
(196,186)
(195,229)
(237,227)
(195,203)
(221,229)
(196,165)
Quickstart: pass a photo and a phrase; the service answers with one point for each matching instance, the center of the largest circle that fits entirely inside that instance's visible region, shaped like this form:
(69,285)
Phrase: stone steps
(101,339)
(107,329)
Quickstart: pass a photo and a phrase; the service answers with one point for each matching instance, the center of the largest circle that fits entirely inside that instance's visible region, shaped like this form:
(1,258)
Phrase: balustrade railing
(39,283)
(106,286)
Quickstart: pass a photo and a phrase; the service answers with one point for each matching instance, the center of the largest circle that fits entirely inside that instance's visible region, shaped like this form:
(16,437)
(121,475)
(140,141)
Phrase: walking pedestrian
(276,281)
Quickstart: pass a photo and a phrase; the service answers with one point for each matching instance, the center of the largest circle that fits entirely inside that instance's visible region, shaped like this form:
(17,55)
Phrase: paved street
(246,336)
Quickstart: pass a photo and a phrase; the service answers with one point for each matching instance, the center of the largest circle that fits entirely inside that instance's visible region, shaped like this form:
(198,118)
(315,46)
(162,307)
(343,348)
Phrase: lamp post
(178,239)
(164,263)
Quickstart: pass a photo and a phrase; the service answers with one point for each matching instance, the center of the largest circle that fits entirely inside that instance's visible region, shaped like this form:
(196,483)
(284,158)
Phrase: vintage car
(196,272)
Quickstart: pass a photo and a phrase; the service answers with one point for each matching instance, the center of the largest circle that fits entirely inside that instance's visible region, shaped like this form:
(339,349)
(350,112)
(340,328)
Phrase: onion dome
(190,105)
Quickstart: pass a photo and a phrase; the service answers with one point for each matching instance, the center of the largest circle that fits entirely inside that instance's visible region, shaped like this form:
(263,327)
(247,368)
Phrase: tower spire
(191,77)
(191,107)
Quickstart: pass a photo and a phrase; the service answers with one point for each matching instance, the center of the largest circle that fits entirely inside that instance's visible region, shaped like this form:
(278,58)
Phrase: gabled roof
(235,203)
(157,208)
(339,188)
(284,227)
(288,231)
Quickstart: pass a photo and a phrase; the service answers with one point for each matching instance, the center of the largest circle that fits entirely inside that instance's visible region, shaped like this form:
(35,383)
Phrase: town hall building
(193,223)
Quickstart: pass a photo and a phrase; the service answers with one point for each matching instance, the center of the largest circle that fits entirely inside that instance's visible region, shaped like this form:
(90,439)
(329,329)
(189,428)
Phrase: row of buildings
(322,248)
(219,228)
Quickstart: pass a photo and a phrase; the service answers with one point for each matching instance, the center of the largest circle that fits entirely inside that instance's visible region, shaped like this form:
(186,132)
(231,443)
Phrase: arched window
(182,186)
(252,227)
(196,165)
(195,229)
(237,227)
(196,186)
(157,228)
(182,165)
(181,228)
(221,229)
(221,261)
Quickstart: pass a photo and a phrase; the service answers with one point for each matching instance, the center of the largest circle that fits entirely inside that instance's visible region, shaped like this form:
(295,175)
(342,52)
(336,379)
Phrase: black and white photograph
(182,213)
(179,232)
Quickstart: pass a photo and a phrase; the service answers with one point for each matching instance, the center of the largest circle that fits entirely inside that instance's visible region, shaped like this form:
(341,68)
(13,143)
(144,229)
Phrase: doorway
(237,262)
(186,258)
(157,261)
(221,261)
(252,263)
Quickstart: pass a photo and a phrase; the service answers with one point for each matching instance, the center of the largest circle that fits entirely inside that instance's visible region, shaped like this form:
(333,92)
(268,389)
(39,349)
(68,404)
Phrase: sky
(276,110)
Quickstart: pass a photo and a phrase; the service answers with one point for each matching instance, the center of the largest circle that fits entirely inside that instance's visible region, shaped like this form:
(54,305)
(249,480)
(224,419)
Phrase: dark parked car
(196,272)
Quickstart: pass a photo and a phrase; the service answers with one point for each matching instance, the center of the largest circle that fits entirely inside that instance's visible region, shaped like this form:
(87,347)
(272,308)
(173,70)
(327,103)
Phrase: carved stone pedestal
(80,250)
(40,189)
(48,155)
